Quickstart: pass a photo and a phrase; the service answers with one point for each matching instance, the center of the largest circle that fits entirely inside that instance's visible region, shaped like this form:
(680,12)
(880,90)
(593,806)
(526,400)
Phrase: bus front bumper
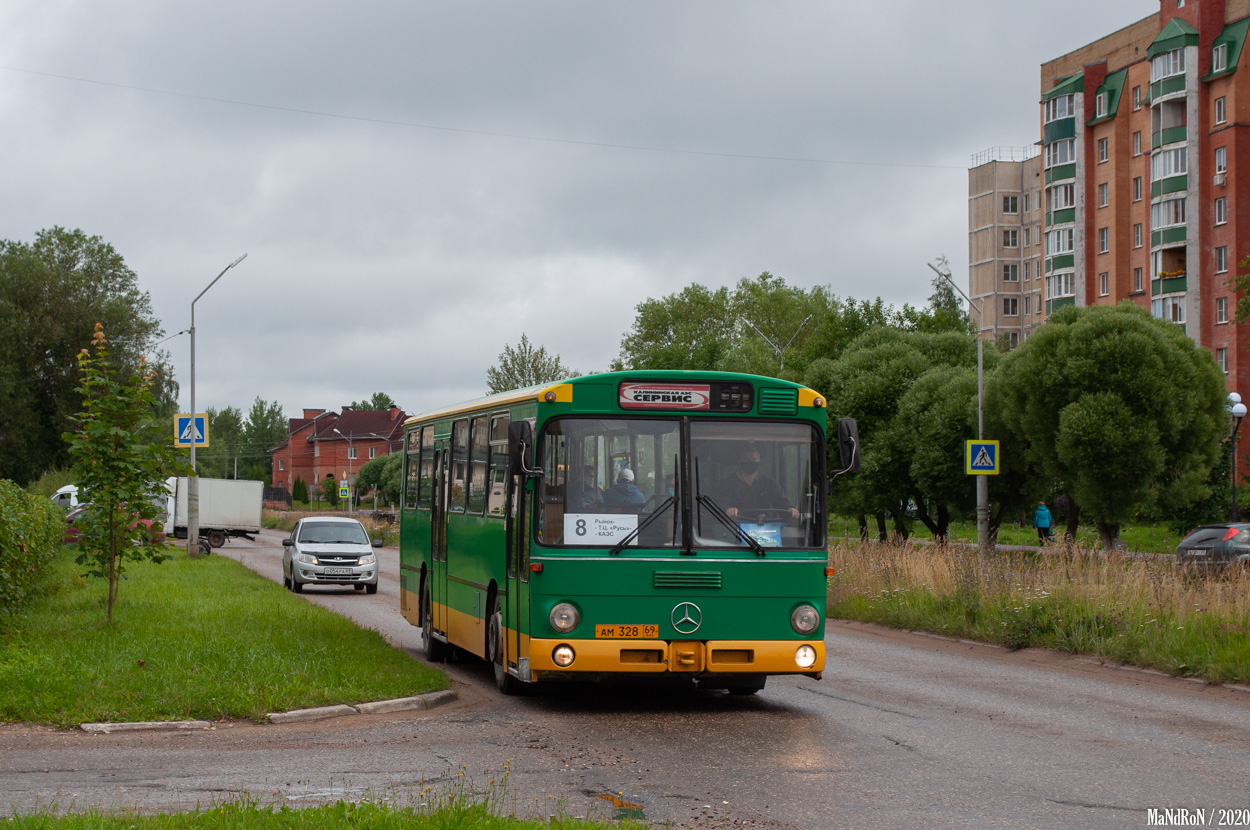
(612,656)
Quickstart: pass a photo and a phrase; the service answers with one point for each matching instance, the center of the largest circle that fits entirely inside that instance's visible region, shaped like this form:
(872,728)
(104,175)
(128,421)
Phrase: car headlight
(306,558)
(564,617)
(804,619)
(367,560)
(805,657)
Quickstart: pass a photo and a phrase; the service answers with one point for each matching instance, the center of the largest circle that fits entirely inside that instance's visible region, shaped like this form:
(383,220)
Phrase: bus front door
(438,533)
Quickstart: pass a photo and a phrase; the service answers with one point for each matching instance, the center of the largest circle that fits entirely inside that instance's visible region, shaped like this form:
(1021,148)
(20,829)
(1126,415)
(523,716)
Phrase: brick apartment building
(1133,191)
(325,444)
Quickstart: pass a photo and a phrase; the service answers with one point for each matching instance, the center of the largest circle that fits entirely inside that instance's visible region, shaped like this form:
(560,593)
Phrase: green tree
(1122,412)
(525,366)
(692,329)
(52,292)
(379,402)
(385,473)
(265,428)
(329,490)
(121,458)
(299,490)
(225,435)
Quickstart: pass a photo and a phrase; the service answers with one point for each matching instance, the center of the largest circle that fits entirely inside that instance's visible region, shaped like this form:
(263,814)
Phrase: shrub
(30,529)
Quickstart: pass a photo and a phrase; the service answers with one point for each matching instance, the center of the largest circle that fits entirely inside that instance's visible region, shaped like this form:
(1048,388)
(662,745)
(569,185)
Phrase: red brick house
(333,445)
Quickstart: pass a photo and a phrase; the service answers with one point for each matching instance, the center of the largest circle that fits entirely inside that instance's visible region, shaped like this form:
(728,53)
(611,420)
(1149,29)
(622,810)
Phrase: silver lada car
(330,550)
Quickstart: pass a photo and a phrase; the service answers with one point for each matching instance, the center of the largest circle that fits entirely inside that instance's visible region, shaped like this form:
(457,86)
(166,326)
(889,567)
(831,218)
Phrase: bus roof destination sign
(665,396)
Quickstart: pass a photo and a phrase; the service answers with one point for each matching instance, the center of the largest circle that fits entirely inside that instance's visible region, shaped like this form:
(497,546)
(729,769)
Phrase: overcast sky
(416,184)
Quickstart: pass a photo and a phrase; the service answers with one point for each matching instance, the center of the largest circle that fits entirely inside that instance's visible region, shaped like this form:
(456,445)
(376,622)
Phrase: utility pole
(983,485)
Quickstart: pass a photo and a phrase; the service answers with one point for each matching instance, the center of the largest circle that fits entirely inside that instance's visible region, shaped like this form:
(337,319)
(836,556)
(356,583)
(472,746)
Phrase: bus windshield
(641,482)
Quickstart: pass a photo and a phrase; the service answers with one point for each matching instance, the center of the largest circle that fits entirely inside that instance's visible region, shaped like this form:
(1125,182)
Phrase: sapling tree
(121,458)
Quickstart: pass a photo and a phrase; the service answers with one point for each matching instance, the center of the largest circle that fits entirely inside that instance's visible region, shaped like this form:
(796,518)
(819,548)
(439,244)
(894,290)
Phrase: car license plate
(644,632)
(338,571)
(1196,552)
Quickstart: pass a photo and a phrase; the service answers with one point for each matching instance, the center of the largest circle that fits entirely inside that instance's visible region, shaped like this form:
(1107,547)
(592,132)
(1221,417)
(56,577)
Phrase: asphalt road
(904,731)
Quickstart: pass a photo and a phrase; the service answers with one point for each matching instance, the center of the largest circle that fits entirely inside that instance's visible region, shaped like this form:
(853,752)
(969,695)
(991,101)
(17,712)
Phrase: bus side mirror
(848,445)
(521,449)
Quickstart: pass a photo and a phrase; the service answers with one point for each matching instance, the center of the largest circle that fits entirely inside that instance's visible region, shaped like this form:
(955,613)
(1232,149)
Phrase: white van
(66,497)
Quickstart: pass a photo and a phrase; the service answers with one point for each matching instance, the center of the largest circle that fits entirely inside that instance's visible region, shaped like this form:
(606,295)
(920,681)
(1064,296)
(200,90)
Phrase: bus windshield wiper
(633,534)
(723,517)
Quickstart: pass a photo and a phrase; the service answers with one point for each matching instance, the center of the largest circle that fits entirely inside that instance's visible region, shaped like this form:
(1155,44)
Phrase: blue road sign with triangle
(981,458)
(188,430)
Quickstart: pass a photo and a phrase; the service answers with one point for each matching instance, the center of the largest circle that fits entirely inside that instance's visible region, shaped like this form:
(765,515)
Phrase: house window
(1011,238)
(1137,235)
(1013,339)
(1137,279)
(1027,237)
(1061,196)
(1103,240)
(1011,272)
(1221,114)
(1026,271)
(1137,143)
(1167,214)
(280,467)
(1060,285)
(1169,308)
(1219,57)
(1026,203)
(1221,210)
(1221,159)
(1104,194)
(1137,189)
(373,453)
(1136,98)
(351,453)
(1059,242)
(1221,357)
(1061,106)
(1026,306)
(1102,150)
(1103,284)
(1011,204)
(1100,105)
(1168,64)
(1221,259)
(1011,307)
(316,450)
(1173,162)
(1221,309)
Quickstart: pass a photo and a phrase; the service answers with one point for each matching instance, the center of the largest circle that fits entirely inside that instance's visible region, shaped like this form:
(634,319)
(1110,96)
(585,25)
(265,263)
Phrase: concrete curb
(399,704)
(430,701)
(151,726)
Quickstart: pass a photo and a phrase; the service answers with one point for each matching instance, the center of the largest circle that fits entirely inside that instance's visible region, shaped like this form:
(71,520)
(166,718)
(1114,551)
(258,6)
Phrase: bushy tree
(524,366)
(121,458)
(329,490)
(379,402)
(52,293)
(386,474)
(1122,412)
(299,490)
(692,329)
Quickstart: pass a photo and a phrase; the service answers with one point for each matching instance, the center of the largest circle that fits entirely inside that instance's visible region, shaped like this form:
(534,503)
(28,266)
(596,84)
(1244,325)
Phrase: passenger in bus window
(624,493)
(747,490)
(592,496)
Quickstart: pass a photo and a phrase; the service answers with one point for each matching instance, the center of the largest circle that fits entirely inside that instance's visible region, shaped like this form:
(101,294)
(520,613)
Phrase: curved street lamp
(1237,410)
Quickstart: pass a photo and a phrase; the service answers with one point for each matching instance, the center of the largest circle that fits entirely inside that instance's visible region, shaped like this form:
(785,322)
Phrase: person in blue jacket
(624,493)
(1042,521)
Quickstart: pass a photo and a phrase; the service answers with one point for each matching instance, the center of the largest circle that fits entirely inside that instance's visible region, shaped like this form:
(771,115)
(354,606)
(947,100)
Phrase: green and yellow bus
(626,523)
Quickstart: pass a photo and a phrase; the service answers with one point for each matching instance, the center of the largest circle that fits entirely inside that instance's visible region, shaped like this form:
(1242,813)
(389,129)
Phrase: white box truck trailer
(227,508)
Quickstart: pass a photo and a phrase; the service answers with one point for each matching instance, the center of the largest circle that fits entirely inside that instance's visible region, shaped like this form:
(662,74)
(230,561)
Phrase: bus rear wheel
(435,649)
(507,684)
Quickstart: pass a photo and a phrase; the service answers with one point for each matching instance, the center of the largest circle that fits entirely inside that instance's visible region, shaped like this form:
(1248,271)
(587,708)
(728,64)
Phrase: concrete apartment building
(1133,190)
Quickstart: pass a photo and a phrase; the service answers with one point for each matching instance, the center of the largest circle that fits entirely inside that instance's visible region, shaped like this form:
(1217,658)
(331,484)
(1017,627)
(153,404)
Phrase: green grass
(190,639)
(1135,611)
(1145,537)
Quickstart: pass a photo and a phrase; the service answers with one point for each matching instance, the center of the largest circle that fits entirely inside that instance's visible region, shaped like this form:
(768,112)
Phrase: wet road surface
(904,731)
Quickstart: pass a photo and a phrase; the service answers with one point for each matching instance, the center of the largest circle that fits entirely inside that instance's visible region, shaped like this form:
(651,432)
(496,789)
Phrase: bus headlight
(564,618)
(564,656)
(805,657)
(804,619)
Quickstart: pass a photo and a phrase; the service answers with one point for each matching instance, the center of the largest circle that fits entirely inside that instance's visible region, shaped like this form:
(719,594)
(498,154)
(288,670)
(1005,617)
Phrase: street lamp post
(781,352)
(983,484)
(1237,410)
(350,451)
(193,481)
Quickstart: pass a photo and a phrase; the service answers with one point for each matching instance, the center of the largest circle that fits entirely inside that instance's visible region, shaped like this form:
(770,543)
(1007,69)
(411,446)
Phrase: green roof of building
(1113,86)
(1234,34)
(1076,83)
(1176,34)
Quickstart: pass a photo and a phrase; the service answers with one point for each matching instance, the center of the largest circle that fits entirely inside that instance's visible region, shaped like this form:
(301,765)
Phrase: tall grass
(1135,610)
(204,638)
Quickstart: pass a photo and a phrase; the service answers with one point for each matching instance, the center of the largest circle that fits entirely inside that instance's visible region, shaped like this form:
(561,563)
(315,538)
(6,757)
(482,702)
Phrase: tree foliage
(386,474)
(52,293)
(226,446)
(1120,411)
(524,366)
(379,402)
(121,457)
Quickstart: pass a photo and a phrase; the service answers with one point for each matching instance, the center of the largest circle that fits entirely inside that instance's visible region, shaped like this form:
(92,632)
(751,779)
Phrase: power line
(485,133)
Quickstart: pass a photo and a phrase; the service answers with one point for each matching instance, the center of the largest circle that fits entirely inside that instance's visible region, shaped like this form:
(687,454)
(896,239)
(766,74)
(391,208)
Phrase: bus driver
(747,490)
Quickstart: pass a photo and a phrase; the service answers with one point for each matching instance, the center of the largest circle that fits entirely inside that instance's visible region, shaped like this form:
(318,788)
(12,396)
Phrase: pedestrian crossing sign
(190,430)
(981,458)
(344,490)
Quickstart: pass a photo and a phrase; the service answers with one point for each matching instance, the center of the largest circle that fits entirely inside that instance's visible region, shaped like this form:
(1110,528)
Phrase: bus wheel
(507,684)
(435,650)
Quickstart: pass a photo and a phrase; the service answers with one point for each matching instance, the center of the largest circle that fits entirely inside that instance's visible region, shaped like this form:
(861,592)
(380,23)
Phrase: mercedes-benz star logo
(687,618)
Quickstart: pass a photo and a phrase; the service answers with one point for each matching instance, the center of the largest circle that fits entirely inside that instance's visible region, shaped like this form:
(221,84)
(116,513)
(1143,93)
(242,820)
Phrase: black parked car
(1215,548)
